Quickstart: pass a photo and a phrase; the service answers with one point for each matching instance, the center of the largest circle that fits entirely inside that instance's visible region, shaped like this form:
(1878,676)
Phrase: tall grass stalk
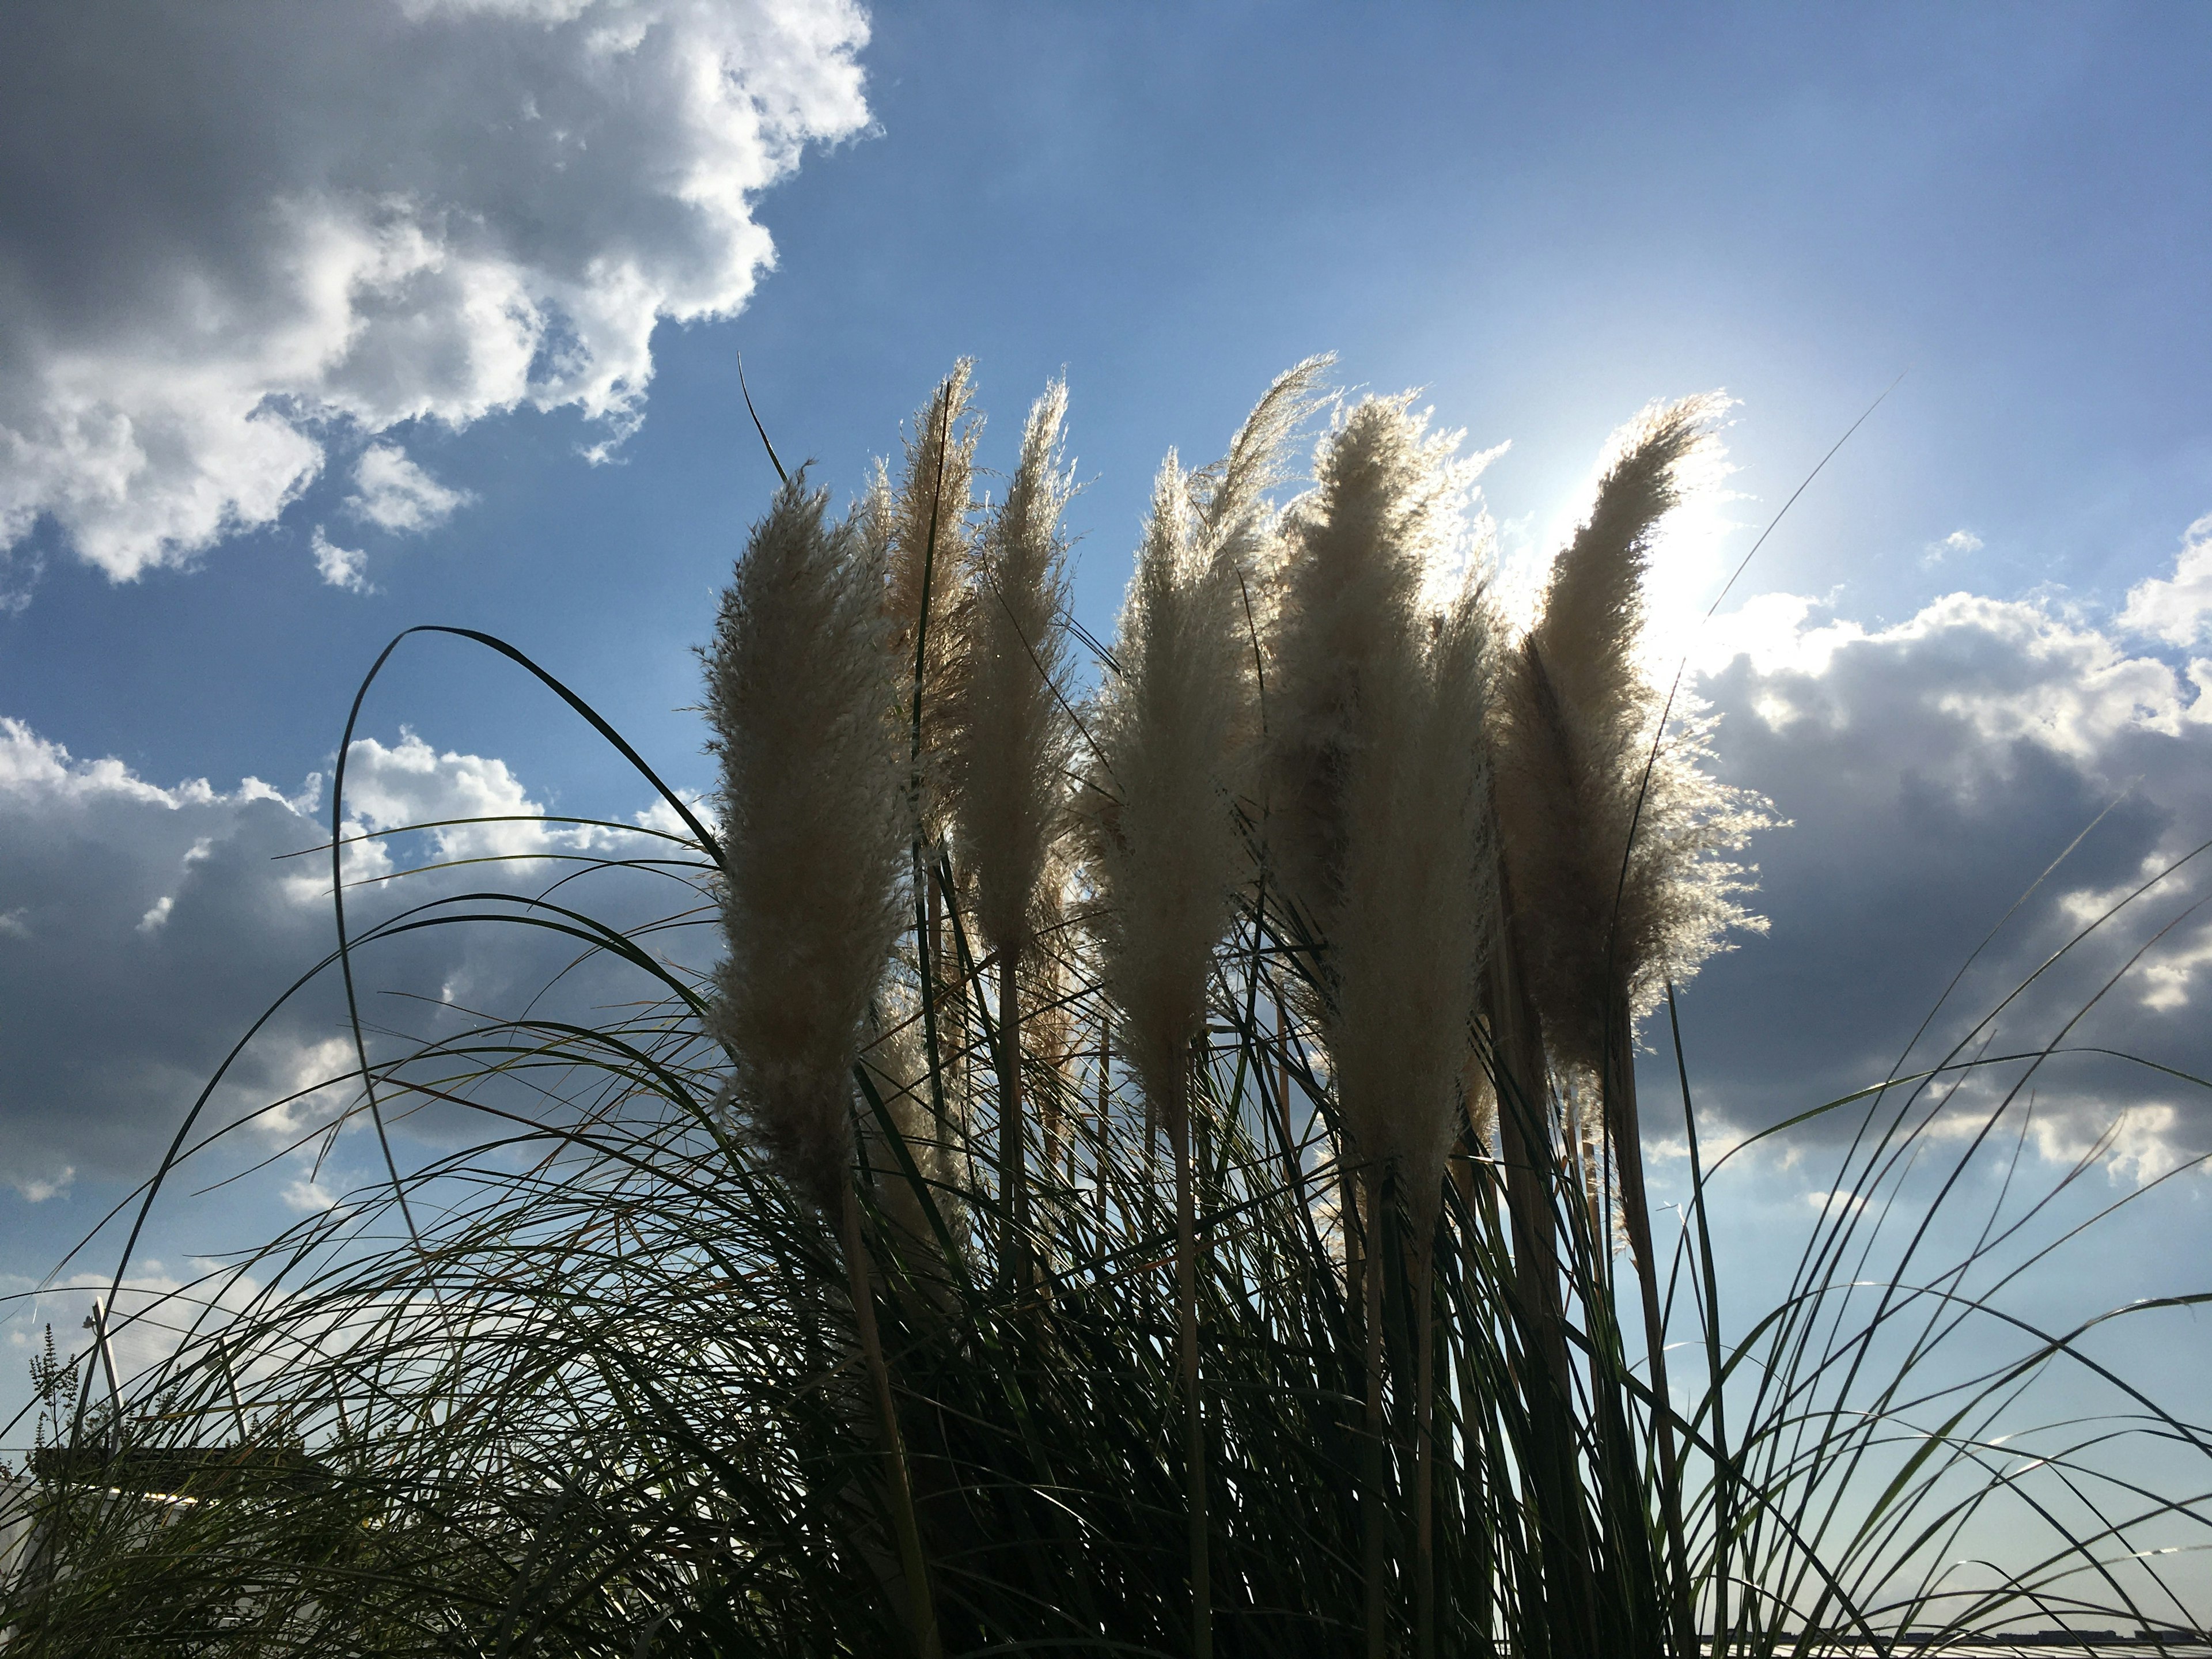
(1163,811)
(1009,755)
(801,702)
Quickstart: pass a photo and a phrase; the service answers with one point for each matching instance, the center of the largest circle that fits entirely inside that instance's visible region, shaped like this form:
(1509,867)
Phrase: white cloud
(37,1189)
(2169,975)
(1958,542)
(395,495)
(147,1321)
(274,228)
(309,1194)
(2177,609)
(341,567)
(2015,668)
(388,787)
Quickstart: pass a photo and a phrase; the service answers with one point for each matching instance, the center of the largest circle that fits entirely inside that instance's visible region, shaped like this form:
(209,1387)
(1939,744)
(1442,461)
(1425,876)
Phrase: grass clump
(822,1291)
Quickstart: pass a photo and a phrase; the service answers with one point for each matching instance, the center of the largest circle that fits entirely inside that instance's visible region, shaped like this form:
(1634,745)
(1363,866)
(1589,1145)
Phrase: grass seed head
(1376,779)
(1010,746)
(802,701)
(928,533)
(1158,808)
(1573,787)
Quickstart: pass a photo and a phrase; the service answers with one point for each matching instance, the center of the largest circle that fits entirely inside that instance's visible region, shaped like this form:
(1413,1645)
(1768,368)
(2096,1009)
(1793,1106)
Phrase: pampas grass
(928,544)
(1175,733)
(1008,749)
(1380,812)
(801,702)
(662,1362)
(1610,823)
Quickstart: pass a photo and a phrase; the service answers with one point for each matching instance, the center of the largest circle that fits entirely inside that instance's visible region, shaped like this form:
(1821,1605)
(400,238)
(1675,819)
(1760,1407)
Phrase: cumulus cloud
(341,567)
(1933,770)
(150,924)
(393,494)
(273,230)
(2177,609)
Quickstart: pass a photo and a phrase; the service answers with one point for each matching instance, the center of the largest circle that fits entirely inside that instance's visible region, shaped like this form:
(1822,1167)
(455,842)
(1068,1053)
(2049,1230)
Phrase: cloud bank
(146,926)
(1934,771)
(241,236)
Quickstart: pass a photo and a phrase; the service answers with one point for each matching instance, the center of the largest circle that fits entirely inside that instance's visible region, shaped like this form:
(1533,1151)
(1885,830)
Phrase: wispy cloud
(37,1188)
(1957,543)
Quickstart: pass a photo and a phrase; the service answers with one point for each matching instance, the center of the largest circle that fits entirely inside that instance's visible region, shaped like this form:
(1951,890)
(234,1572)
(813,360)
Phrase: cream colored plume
(1377,780)
(1415,909)
(930,542)
(1572,769)
(1175,730)
(1051,968)
(802,699)
(1010,742)
(1159,806)
(1234,519)
(897,1064)
(1357,550)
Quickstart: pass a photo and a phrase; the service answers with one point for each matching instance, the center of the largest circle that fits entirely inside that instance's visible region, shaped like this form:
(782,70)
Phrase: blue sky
(1973,633)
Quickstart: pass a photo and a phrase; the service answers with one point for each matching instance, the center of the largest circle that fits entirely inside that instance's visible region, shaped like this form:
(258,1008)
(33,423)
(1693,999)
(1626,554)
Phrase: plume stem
(1201,1597)
(1013,1188)
(1628,1156)
(1478,1196)
(1105,1076)
(921,1614)
(1376,1471)
(929,919)
(1525,1147)
(1347,1225)
(1425,1528)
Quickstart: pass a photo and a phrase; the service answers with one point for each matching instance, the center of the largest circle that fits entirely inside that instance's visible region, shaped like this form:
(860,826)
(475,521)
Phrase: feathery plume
(1377,776)
(897,1067)
(1050,974)
(1234,518)
(801,699)
(1573,788)
(1414,907)
(1158,804)
(1009,751)
(1477,1091)
(1158,810)
(801,695)
(1610,828)
(1010,746)
(1356,548)
(929,542)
